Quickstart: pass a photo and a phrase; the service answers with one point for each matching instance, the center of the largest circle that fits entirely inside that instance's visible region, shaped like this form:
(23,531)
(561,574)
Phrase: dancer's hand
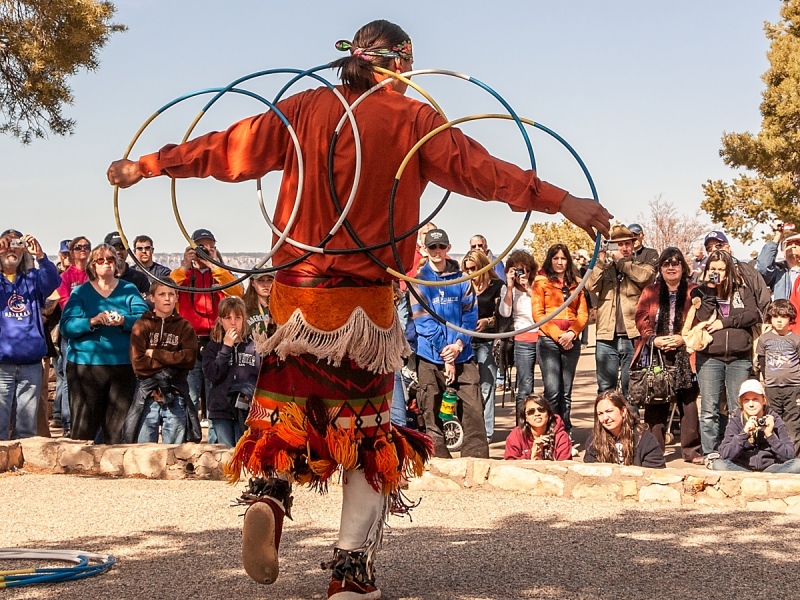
(587,214)
(124,173)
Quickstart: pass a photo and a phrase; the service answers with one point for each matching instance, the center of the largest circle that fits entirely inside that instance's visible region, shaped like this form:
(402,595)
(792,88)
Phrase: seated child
(618,437)
(756,439)
(540,435)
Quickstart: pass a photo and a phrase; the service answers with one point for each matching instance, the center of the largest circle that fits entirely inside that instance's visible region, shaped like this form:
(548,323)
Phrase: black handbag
(653,382)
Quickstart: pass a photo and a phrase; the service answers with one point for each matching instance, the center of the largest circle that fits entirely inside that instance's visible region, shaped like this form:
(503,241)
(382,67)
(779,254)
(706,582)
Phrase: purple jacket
(767,451)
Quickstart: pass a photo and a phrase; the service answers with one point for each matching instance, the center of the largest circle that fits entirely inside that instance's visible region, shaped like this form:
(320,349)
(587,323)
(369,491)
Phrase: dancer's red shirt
(389,124)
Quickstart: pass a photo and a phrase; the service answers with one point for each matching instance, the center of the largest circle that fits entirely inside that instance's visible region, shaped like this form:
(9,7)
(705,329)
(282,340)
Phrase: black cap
(200,234)
(113,239)
(11,232)
(436,236)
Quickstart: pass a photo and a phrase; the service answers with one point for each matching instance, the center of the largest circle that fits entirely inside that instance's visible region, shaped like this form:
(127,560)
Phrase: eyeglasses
(206,248)
(473,246)
(102,260)
(714,246)
(671,263)
(83,247)
(471,269)
(529,412)
(437,247)
(144,248)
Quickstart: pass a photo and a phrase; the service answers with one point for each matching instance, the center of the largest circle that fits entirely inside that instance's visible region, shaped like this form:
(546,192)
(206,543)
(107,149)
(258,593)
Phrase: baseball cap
(636,229)
(64,247)
(794,236)
(436,236)
(751,385)
(11,232)
(200,234)
(113,239)
(715,235)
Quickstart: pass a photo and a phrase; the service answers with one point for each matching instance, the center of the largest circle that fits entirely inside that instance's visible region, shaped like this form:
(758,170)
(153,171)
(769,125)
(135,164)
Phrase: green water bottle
(447,412)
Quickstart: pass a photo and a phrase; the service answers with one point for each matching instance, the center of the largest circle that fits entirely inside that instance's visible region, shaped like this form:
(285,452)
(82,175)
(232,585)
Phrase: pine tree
(771,189)
(43,43)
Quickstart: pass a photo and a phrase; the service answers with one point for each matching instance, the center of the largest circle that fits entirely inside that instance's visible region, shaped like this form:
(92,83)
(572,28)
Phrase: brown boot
(269,501)
(351,577)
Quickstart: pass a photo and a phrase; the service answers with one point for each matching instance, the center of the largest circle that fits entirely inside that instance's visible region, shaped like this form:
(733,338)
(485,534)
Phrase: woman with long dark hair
(660,316)
(540,434)
(728,311)
(488,288)
(617,436)
(559,348)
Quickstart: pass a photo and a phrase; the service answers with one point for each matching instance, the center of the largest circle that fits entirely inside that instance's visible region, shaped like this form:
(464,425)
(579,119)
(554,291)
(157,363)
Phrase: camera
(713,277)
(17,243)
(761,421)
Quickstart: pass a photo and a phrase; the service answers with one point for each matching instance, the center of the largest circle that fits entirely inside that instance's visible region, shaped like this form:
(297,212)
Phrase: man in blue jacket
(23,291)
(445,356)
(780,275)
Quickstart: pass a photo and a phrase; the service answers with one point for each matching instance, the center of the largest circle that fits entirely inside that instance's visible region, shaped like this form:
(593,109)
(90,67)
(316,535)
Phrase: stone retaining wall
(10,456)
(152,461)
(567,479)
(612,483)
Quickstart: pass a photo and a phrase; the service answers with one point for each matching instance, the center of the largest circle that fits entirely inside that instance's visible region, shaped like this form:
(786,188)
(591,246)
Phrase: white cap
(751,385)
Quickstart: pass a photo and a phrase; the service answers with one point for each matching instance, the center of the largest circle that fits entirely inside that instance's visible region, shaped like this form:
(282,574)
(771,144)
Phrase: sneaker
(351,590)
(709,459)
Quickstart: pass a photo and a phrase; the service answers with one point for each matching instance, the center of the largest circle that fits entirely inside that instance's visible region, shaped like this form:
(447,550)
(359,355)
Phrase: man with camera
(618,280)
(201,308)
(756,438)
(780,275)
(23,291)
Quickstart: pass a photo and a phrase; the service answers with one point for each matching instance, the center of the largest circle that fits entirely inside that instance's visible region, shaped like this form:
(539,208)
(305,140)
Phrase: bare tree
(666,226)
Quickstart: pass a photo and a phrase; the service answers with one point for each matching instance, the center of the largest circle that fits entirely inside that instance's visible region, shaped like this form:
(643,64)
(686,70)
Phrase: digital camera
(713,277)
(761,421)
(17,243)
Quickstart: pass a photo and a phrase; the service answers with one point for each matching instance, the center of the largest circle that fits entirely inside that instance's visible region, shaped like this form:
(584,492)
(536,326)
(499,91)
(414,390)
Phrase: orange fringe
(310,457)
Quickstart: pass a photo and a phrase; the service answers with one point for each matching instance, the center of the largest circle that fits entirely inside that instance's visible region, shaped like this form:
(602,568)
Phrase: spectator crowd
(142,353)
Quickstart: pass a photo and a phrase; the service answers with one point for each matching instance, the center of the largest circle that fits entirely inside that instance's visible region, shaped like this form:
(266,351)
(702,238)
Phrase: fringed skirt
(324,393)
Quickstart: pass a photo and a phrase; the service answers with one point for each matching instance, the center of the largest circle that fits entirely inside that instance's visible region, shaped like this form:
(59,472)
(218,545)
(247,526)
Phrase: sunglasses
(671,263)
(714,246)
(81,247)
(477,246)
(470,269)
(437,247)
(144,248)
(535,411)
(104,260)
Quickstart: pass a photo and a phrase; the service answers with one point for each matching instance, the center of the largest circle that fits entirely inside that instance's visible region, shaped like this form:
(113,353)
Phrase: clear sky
(642,90)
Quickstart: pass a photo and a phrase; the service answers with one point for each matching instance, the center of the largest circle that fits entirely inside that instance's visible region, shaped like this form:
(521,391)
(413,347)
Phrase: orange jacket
(389,124)
(547,296)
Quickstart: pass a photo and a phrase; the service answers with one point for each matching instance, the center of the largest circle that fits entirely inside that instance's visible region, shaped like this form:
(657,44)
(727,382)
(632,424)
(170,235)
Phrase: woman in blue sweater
(231,364)
(97,322)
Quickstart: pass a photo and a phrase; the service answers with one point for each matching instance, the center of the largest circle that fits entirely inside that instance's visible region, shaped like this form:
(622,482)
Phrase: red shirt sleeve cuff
(148,165)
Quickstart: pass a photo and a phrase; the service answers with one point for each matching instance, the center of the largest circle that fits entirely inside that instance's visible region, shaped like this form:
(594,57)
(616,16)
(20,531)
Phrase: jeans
(524,361)
(613,359)
(712,374)
(196,383)
(228,431)
(172,420)
(790,466)
(19,399)
(398,411)
(558,373)
(487,370)
(63,393)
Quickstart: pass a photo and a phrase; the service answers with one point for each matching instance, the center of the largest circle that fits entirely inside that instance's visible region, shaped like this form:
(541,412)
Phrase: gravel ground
(180,539)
